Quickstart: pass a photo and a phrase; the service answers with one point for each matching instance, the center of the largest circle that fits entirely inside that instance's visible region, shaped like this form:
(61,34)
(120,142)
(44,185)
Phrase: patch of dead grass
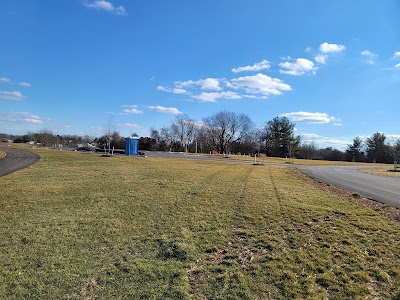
(386,172)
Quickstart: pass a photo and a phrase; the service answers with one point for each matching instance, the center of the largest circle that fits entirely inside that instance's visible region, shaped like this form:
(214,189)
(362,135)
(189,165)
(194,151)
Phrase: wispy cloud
(25,84)
(204,84)
(322,141)
(213,96)
(131,110)
(300,66)
(4,80)
(130,125)
(17,96)
(20,117)
(397,66)
(396,54)
(370,56)
(321,58)
(165,110)
(178,91)
(310,117)
(262,65)
(107,6)
(331,48)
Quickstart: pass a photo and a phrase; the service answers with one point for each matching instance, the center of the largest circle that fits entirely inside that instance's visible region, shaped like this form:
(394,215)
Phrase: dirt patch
(389,212)
(2,154)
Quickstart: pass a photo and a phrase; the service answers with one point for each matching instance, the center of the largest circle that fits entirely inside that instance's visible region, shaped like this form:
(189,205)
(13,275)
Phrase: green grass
(81,226)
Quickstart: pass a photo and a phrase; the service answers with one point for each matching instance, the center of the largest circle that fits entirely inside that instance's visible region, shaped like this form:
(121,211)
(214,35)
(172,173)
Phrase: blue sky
(332,67)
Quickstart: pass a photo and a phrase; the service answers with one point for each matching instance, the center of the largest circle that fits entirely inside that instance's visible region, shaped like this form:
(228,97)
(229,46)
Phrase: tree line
(230,133)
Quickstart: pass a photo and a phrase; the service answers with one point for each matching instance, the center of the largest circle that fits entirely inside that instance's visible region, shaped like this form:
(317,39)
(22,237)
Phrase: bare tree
(168,137)
(225,128)
(108,131)
(307,150)
(394,151)
(184,129)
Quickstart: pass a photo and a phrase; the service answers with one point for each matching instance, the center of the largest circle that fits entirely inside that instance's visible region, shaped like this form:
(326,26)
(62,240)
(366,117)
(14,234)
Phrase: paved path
(349,178)
(16,159)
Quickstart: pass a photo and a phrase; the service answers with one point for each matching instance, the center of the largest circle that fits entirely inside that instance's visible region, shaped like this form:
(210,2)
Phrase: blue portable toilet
(132,146)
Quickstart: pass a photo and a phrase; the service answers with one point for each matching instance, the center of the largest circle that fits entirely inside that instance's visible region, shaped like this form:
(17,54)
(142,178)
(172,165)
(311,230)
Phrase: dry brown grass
(295,161)
(82,226)
(386,172)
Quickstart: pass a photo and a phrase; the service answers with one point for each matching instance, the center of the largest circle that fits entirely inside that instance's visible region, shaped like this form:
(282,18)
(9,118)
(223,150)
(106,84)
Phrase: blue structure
(132,146)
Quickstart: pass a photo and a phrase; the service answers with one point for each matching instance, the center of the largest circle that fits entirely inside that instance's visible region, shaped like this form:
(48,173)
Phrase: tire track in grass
(277,195)
(285,214)
(196,275)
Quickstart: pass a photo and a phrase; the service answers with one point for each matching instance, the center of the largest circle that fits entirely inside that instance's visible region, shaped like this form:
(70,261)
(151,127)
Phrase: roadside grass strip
(386,172)
(82,226)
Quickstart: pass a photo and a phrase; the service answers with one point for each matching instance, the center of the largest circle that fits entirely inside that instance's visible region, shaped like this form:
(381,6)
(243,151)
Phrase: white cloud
(260,84)
(366,53)
(262,65)
(164,89)
(301,66)
(396,54)
(393,136)
(130,125)
(20,117)
(308,49)
(213,96)
(312,118)
(131,110)
(25,84)
(321,58)
(4,80)
(370,56)
(177,91)
(323,142)
(107,6)
(204,84)
(397,66)
(331,48)
(309,135)
(166,110)
(17,96)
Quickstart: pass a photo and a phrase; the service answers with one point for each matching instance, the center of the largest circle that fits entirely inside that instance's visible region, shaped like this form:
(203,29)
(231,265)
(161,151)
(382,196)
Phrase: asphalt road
(349,178)
(16,160)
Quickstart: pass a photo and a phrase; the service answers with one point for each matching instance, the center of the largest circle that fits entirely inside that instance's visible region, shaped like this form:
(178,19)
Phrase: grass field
(387,172)
(82,226)
(295,161)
